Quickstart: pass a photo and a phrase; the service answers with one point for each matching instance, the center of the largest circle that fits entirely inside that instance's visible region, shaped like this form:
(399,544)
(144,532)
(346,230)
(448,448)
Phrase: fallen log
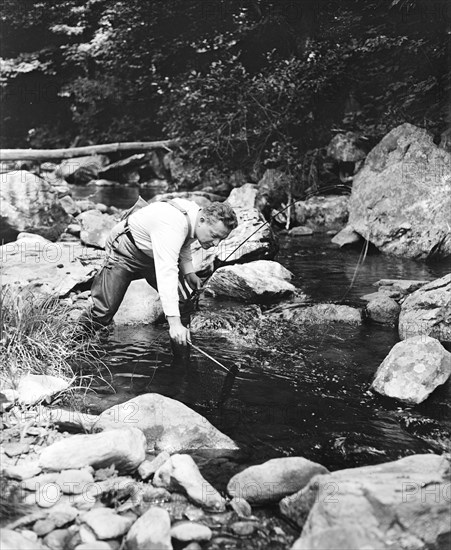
(71,152)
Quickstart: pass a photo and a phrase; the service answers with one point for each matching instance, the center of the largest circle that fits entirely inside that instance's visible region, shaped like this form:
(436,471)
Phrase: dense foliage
(246,85)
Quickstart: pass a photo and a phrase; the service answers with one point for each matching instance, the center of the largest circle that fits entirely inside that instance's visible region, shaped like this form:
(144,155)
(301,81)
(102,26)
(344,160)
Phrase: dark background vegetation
(247,84)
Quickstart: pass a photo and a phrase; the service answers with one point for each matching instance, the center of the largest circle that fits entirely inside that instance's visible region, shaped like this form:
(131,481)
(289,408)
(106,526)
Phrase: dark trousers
(124,263)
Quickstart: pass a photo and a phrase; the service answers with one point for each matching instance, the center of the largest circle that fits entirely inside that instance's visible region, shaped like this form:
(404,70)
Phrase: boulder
(81,170)
(344,147)
(151,531)
(400,504)
(141,305)
(244,196)
(383,309)
(413,369)
(125,448)
(167,424)
(271,481)
(28,203)
(318,314)
(327,212)
(401,198)
(95,227)
(427,311)
(105,523)
(38,265)
(257,281)
(180,471)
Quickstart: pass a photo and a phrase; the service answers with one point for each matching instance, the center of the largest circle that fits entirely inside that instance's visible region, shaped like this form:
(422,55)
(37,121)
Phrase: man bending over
(154,244)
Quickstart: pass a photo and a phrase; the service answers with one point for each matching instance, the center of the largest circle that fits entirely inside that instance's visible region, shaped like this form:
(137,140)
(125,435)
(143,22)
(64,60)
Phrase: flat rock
(400,199)
(33,388)
(186,531)
(22,471)
(48,495)
(62,514)
(105,523)
(427,311)
(257,281)
(300,231)
(181,471)
(243,528)
(43,526)
(73,482)
(151,531)
(274,479)
(167,424)
(51,268)
(400,504)
(15,448)
(125,448)
(56,540)
(413,369)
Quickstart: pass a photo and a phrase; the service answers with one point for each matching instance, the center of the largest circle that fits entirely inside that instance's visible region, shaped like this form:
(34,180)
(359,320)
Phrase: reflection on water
(308,393)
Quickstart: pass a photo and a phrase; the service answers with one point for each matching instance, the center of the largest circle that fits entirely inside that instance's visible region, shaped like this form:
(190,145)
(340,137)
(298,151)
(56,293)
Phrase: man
(151,244)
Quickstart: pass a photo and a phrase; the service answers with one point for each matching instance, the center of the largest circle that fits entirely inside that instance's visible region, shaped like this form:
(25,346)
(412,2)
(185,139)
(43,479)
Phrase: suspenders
(175,205)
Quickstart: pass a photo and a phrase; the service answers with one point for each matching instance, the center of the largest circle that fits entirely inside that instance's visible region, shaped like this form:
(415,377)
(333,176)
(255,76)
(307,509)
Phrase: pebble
(241,506)
(22,471)
(56,540)
(149,467)
(62,514)
(151,531)
(15,449)
(48,495)
(43,526)
(95,545)
(106,524)
(73,482)
(186,531)
(243,528)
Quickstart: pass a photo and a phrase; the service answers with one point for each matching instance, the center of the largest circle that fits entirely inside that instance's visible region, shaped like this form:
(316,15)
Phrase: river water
(307,394)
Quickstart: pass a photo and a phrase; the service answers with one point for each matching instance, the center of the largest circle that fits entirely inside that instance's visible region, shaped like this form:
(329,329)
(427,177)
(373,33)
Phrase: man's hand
(177,331)
(193,280)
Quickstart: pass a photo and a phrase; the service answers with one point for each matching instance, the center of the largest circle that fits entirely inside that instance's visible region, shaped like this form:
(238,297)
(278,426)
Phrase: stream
(307,394)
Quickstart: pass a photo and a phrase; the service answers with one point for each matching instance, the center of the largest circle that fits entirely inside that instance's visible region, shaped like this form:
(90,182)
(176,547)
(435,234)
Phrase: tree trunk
(71,152)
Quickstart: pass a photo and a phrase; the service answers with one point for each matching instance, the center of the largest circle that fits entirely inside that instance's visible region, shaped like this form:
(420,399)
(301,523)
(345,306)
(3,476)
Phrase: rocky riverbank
(134,476)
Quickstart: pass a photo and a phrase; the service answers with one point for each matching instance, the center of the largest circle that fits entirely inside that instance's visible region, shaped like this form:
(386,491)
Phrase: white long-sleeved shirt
(160,230)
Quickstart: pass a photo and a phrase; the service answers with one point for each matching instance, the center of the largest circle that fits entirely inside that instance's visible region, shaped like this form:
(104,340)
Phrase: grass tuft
(39,336)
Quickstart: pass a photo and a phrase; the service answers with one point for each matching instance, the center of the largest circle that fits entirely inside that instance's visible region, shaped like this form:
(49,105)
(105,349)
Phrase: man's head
(214,223)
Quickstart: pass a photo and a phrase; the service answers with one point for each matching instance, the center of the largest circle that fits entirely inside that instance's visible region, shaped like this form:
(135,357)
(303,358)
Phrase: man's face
(210,233)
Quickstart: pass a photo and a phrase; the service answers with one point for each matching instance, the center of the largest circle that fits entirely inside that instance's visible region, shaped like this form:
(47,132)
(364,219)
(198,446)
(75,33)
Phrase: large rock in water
(274,479)
(95,227)
(141,305)
(125,448)
(39,265)
(413,369)
(252,282)
(401,199)
(29,203)
(427,311)
(329,212)
(167,424)
(244,196)
(401,504)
